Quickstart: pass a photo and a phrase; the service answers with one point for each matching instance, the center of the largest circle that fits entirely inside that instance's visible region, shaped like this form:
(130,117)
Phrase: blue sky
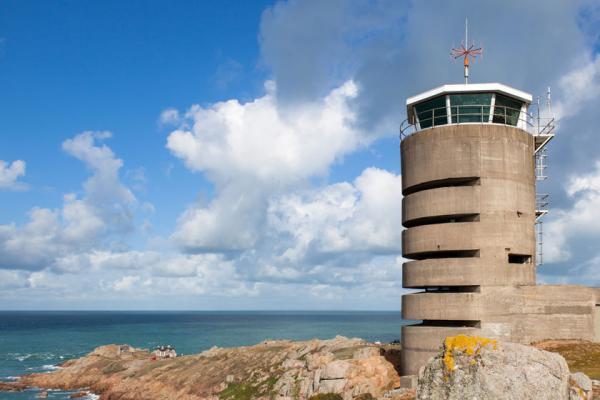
(244,155)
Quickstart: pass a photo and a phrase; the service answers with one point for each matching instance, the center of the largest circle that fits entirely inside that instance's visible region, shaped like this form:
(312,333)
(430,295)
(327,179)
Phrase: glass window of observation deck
(506,110)
(470,107)
(432,112)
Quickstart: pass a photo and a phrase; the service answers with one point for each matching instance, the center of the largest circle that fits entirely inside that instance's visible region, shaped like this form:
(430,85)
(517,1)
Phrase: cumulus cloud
(579,86)
(170,116)
(82,222)
(149,272)
(395,49)
(588,272)
(125,283)
(260,141)
(252,150)
(10,173)
(343,218)
(107,260)
(11,279)
(581,219)
(103,189)
(264,216)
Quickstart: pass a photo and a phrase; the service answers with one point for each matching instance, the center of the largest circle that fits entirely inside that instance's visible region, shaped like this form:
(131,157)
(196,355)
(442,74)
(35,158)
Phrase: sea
(39,341)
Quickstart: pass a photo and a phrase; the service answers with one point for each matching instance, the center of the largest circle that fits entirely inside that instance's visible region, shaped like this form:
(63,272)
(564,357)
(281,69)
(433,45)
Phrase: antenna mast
(466,51)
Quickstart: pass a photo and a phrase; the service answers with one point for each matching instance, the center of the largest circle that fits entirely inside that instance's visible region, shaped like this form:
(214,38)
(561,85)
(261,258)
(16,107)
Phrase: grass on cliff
(581,356)
(326,396)
(113,368)
(249,391)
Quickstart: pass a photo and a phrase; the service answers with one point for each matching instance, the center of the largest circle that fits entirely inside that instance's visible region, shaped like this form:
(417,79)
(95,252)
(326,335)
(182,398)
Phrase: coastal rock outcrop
(12,387)
(350,368)
(478,368)
(336,369)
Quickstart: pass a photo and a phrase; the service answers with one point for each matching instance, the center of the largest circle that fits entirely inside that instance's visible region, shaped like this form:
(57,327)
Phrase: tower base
(521,314)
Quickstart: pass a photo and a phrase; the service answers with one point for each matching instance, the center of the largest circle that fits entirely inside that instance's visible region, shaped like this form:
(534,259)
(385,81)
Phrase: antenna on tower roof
(466,51)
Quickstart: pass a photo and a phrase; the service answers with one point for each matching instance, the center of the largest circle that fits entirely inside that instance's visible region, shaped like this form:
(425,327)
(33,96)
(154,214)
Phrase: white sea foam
(34,356)
(45,367)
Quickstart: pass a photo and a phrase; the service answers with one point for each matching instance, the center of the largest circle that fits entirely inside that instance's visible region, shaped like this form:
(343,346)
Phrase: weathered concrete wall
(526,314)
(500,159)
(493,239)
(458,272)
(441,306)
(521,314)
(441,201)
(597,294)
(418,342)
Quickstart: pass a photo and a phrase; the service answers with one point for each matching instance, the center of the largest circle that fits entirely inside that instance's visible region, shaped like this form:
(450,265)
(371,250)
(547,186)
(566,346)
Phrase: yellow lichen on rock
(470,345)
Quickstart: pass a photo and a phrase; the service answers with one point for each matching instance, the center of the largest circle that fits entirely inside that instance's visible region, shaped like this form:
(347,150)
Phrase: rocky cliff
(351,368)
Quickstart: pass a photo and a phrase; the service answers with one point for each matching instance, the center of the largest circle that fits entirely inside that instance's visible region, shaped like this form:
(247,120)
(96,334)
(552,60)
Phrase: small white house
(164,352)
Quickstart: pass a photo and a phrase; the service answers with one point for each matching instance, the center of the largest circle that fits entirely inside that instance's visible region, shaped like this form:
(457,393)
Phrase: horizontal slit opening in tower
(452,289)
(519,258)
(440,183)
(441,219)
(452,323)
(443,254)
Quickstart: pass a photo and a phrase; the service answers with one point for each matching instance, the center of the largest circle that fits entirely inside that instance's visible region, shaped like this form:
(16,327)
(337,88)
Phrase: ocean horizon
(39,341)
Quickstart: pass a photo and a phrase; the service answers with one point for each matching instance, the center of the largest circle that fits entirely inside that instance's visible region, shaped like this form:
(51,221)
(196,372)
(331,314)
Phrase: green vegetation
(271,382)
(248,391)
(365,396)
(113,368)
(326,396)
(581,356)
(346,353)
(239,391)
(147,369)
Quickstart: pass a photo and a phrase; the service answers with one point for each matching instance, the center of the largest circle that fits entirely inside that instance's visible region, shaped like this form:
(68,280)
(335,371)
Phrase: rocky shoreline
(335,369)
(352,368)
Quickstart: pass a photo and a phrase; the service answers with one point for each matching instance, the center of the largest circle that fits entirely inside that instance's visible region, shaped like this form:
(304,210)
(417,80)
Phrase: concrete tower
(469,209)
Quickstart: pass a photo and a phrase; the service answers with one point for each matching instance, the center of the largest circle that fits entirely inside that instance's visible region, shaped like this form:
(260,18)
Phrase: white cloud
(230,223)
(589,271)
(578,87)
(580,219)
(125,283)
(12,279)
(394,49)
(42,279)
(104,186)
(10,173)
(260,155)
(106,260)
(170,116)
(167,274)
(81,223)
(264,142)
(251,151)
(342,218)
